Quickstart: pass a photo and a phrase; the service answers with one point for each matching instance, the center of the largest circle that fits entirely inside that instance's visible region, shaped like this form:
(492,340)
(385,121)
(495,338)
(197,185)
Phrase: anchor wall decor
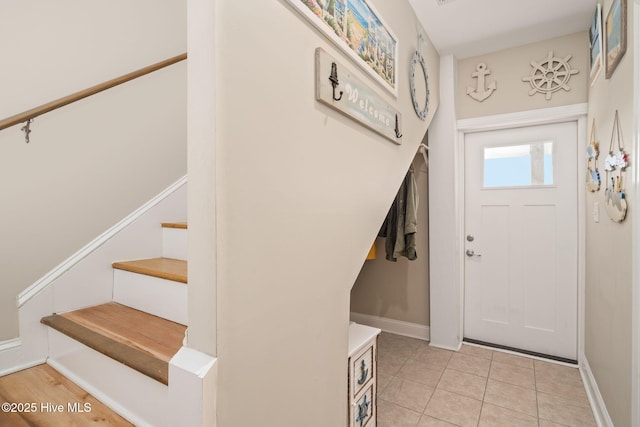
(481,92)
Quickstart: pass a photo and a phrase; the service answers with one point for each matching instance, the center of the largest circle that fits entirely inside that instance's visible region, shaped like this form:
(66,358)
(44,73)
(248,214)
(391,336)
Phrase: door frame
(571,113)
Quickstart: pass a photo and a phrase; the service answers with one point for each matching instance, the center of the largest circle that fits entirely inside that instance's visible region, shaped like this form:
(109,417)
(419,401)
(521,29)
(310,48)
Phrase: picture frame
(615,32)
(357,28)
(596,62)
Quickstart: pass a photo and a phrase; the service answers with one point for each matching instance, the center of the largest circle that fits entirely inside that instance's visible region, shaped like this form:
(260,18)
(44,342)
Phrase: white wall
(444,230)
(89,164)
(300,192)
(202,176)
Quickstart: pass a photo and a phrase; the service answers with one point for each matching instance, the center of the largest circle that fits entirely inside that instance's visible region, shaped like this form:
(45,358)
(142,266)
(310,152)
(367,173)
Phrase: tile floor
(421,386)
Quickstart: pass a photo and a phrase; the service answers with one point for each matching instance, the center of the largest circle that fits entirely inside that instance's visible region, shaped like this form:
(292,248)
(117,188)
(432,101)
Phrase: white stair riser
(174,243)
(134,396)
(160,297)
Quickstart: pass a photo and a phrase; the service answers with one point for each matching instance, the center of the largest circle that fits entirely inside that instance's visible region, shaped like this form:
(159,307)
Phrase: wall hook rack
(27,130)
(334,81)
(398,134)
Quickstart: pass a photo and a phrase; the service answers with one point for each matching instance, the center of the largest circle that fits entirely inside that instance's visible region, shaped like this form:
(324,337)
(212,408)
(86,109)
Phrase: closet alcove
(394,296)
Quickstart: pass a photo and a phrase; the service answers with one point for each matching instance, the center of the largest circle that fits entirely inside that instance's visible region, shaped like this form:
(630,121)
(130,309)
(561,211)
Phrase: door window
(519,165)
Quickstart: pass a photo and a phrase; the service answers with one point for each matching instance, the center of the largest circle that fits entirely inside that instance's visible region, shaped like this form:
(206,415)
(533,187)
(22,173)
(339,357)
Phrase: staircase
(119,351)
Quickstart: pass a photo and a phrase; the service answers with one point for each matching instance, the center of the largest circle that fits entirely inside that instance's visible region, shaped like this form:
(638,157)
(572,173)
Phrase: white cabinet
(362,375)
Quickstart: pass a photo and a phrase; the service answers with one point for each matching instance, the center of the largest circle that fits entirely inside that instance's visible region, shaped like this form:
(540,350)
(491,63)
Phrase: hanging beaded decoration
(593,175)
(615,201)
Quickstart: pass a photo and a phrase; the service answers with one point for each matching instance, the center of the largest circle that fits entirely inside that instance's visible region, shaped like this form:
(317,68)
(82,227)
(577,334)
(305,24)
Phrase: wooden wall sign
(337,87)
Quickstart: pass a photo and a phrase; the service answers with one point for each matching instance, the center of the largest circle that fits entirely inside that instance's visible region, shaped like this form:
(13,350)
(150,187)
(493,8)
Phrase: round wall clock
(419,85)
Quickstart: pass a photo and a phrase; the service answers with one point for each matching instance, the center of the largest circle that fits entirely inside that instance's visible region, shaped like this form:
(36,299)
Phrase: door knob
(470,253)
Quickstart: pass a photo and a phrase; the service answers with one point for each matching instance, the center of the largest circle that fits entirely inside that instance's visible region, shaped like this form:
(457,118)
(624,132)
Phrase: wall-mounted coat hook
(27,130)
(398,134)
(334,81)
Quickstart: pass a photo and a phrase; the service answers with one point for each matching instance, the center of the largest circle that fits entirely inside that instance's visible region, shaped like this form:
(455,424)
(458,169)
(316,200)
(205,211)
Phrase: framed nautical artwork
(358,29)
(615,31)
(596,45)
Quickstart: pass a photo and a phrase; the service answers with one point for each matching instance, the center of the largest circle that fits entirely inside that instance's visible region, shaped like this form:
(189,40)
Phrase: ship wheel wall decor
(550,75)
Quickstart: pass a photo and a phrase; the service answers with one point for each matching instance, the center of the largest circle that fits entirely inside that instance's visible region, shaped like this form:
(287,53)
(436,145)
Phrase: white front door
(521,238)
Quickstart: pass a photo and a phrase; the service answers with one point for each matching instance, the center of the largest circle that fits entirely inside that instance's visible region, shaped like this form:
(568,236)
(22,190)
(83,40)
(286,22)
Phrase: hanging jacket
(400,226)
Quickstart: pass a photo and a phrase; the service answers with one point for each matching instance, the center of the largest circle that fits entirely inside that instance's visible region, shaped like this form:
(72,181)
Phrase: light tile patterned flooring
(422,386)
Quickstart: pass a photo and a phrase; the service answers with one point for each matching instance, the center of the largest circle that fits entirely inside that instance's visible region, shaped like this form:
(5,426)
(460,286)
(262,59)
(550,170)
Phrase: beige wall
(201,153)
(399,290)
(81,173)
(301,191)
(509,66)
(608,276)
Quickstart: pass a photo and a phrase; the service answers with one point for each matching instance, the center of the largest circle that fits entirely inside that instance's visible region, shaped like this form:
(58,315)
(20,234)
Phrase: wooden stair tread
(41,385)
(164,268)
(137,339)
(182,225)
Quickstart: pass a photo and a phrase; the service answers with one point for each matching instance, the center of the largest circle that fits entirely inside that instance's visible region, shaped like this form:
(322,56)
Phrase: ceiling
(473,27)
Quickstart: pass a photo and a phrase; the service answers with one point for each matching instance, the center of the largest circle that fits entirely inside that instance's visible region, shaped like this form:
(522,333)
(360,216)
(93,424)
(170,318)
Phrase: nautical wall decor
(481,91)
(418,70)
(593,175)
(615,200)
(596,46)
(337,87)
(359,30)
(550,75)
(615,30)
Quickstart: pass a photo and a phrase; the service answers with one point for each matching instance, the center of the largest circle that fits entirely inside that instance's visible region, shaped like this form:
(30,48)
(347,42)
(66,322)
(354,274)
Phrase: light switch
(596,211)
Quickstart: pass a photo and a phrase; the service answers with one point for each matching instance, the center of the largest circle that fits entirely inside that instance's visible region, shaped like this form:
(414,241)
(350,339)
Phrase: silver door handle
(470,253)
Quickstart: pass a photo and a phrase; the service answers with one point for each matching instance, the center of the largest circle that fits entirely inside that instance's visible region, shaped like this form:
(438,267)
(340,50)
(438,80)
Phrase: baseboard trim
(399,327)
(593,393)
(9,344)
(98,394)
(74,259)
(22,367)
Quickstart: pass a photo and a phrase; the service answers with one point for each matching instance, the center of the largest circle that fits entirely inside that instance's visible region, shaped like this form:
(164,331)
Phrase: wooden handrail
(45,108)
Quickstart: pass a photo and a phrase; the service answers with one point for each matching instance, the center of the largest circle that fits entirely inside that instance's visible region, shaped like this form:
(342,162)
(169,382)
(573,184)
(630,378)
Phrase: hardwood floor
(42,397)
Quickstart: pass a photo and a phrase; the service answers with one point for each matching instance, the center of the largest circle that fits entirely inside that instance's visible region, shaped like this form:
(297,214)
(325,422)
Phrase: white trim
(9,344)
(74,259)
(22,367)
(192,379)
(446,347)
(582,236)
(635,220)
(398,327)
(98,394)
(569,113)
(444,230)
(541,116)
(598,407)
